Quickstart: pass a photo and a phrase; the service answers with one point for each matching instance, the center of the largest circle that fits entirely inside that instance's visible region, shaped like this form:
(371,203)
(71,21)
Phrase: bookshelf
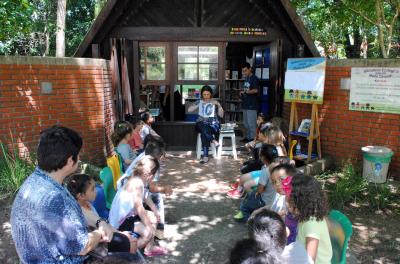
(233,103)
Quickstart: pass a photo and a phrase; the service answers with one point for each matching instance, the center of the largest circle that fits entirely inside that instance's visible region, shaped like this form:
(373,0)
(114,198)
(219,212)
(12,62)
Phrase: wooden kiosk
(169,49)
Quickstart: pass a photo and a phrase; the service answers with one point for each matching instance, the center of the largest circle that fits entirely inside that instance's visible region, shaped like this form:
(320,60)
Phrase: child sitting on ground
(120,138)
(276,138)
(267,228)
(82,187)
(308,204)
(127,212)
(283,126)
(148,120)
(265,193)
(248,251)
(261,121)
(270,135)
(136,141)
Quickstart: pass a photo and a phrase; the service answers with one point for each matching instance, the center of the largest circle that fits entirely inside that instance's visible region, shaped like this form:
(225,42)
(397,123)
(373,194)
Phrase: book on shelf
(235,75)
(227,74)
(305,126)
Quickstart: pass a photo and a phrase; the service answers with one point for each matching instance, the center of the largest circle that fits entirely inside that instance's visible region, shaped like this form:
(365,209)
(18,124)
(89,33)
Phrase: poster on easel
(304,80)
(375,90)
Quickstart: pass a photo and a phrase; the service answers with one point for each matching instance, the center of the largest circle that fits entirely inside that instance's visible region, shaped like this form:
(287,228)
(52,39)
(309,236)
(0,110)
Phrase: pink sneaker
(234,186)
(235,194)
(156,252)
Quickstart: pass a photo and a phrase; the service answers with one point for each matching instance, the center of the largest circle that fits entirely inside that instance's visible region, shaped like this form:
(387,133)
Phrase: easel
(314,133)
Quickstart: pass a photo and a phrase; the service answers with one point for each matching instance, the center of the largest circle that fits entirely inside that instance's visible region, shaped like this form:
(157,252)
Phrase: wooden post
(96,51)
(126,89)
(311,136)
(136,74)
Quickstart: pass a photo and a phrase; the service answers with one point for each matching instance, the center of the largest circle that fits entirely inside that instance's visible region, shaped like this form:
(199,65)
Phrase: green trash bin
(376,163)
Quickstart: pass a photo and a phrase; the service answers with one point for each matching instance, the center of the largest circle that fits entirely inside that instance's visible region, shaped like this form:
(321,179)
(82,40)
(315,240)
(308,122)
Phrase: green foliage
(13,171)
(31,26)
(349,187)
(341,26)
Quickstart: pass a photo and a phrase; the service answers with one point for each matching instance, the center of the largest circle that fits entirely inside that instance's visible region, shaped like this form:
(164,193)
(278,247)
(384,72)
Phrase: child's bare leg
(248,185)
(244,178)
(146,237)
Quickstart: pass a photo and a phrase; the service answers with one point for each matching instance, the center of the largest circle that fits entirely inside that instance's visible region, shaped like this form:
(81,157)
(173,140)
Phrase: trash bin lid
(377,153)
(379,150)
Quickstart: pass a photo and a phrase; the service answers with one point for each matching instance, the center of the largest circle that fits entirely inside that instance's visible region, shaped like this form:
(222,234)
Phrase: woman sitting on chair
(207,124)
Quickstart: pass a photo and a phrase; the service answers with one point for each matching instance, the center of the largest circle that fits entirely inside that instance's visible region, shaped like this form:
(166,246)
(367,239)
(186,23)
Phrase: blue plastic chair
(100,202)
(340,231)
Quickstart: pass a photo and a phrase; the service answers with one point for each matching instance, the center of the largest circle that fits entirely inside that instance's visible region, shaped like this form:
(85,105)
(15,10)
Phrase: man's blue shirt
(48,225)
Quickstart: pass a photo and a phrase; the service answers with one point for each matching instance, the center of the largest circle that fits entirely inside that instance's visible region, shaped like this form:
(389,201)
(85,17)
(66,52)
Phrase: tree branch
(361,14)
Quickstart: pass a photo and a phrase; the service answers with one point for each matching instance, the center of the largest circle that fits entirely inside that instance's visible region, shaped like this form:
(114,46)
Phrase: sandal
(156,251)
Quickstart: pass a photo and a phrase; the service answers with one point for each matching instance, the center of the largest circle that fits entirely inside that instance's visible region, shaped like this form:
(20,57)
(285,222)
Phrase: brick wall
(80,99)
(344,132)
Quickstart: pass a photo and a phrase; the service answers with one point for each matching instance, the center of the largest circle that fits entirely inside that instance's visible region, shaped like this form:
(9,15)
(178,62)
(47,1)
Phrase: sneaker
(234,185)
(204,160)
(239,216)
(156,251)
(159,234)
(235,194)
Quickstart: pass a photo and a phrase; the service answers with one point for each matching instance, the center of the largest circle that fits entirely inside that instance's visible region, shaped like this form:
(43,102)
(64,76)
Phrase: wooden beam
(281,21)
(299,25)
(190,34)
(126,86)
(98,23)
(95,51)
(111,20)
(136,74)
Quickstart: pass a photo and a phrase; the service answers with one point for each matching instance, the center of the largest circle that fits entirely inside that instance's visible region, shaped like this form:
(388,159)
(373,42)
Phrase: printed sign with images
(375,90)
(206,109)
(304,80)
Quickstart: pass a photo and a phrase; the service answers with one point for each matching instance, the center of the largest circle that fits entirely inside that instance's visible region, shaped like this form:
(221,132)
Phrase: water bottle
(298,149)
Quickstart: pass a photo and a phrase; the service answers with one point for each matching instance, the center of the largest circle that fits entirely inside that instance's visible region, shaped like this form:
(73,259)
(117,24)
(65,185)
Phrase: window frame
(167,62)
(219,64)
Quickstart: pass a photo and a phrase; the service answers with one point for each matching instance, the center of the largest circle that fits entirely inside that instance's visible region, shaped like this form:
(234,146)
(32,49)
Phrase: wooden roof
(121,15)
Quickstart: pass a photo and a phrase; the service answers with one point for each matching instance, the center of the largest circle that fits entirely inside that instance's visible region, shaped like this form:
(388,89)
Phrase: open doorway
(263,57)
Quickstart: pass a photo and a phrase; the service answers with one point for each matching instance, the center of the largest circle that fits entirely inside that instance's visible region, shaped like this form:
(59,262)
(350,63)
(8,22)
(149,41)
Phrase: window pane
(187,54)
(187,72)
(208,72)
(208,54)
(155,72)
(156,54)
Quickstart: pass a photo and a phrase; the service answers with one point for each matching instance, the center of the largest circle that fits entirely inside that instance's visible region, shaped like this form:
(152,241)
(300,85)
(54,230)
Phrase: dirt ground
(200,226)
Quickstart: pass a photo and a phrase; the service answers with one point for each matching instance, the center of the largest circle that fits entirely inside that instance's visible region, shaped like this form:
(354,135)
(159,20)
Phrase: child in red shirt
(136,141)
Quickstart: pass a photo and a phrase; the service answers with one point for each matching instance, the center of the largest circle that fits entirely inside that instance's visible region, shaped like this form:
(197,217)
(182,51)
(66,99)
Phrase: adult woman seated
(207,124)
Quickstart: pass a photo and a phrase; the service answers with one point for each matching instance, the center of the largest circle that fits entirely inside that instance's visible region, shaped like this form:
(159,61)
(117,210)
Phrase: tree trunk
(60,36)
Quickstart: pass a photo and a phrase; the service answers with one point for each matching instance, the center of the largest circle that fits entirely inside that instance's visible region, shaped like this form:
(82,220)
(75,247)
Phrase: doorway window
(197,63)
(153,63)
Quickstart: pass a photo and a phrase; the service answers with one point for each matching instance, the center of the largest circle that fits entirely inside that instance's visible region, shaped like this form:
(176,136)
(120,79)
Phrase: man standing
(47,223)
(249,102)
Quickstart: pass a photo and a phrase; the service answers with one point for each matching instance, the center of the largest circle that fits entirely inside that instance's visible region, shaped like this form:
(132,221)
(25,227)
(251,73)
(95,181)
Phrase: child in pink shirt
(136,141)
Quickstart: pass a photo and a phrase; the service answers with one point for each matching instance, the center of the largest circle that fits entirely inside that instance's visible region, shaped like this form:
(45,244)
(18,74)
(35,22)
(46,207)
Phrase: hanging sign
(206,109)
(247,31)
(375,90)
(304,80)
